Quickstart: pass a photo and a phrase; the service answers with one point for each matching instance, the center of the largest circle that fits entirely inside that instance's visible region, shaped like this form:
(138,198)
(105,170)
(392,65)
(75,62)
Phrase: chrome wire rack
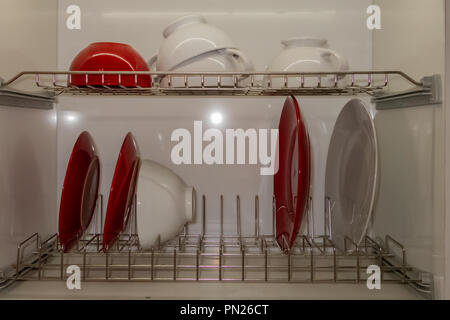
(211,83)
(218,257)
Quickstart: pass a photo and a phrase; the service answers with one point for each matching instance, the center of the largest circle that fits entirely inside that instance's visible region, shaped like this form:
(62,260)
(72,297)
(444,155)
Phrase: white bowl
(164,204)
(220,61)
(306,54)
(188,37)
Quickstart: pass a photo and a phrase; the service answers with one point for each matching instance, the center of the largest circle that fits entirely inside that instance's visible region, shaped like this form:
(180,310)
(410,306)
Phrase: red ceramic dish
(292,180)
(123,189)
(80,191)
(109,56)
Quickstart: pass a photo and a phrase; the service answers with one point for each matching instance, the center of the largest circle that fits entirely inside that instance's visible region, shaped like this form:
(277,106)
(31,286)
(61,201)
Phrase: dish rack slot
(216,257)
(374,83)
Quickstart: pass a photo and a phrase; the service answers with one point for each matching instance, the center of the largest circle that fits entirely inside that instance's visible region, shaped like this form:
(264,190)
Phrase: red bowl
(109,56)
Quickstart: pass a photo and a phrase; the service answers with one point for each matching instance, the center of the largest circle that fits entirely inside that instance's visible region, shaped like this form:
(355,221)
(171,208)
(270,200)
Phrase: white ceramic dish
(351,174)
(165,204)
(223,60)
(188,37)
(307,54)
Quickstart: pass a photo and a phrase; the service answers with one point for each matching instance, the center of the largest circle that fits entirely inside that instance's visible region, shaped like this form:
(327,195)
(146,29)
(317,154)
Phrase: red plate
(109,56)
(80,191)
(292,180)
(123,189)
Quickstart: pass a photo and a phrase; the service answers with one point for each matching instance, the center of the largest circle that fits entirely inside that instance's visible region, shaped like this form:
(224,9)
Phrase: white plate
(351,174)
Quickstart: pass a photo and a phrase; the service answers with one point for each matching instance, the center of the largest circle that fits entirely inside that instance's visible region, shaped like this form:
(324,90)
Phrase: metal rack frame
(223,257)
(227,83)
(217,257)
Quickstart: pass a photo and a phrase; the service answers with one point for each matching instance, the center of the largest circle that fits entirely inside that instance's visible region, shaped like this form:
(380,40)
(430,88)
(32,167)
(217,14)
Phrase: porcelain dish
(80,191)
(292,180)
(164,204)
(188,37)
(109,56)
(221,61)
(122,192)
(306,54)
(351,174)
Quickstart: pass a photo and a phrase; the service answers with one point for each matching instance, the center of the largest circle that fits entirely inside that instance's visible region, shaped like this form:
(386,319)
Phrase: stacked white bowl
(192,45)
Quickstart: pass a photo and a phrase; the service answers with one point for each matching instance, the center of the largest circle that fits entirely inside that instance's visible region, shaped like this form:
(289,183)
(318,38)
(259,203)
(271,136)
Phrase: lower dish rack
(217,257)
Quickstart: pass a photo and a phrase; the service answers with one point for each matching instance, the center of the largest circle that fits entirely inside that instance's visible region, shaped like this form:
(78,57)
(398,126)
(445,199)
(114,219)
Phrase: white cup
(164,204)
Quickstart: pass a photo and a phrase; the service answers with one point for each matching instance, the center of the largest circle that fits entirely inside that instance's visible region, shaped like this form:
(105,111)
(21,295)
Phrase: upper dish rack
(374,83)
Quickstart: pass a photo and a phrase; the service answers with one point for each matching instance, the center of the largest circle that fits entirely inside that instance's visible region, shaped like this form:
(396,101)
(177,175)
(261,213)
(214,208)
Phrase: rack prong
(203,216)
(61,270)
(257,217)
(334,265)
(274,208)
(175,264)
(220,261)
(152,270)
(54,80)
(265,265)
(197,265)
(84,264)
(238,216)
(129,263)
(289,265)
(243,263)
(221,216)
(37,80)
(311,252)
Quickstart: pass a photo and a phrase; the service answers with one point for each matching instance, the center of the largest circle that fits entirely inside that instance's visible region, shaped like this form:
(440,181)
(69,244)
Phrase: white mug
(164,204)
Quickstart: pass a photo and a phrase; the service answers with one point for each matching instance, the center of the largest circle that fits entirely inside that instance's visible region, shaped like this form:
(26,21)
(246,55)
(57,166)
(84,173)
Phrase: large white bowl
(188,37)
(164,204)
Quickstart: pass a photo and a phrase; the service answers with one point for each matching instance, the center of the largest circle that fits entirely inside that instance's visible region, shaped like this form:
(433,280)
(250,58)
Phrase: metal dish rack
(217,257)
(222,257)
(228,83)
